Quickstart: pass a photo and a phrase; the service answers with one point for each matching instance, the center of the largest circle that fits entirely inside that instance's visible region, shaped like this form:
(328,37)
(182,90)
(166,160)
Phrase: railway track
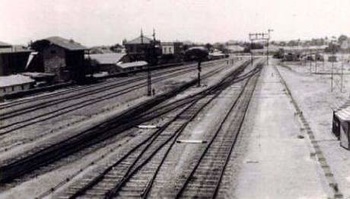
(16,125)
(60,97)
(59,94)
(44,155)
(133,174)
(204,178)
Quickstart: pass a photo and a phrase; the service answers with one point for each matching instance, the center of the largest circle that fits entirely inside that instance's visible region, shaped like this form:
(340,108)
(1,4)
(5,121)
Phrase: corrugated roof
(13,80)
(138,40)
(65,43)
(108,58)
(132,64)
(344,114)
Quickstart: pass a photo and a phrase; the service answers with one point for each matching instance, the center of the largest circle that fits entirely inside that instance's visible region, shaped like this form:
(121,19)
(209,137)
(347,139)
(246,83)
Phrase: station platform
(278,160)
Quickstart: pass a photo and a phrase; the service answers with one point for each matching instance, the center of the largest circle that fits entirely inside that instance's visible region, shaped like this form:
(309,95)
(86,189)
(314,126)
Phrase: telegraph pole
(199,72)
(268,41)
(151,62)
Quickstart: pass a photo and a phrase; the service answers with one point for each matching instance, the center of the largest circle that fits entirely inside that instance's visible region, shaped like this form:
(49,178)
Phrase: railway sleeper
(64,148)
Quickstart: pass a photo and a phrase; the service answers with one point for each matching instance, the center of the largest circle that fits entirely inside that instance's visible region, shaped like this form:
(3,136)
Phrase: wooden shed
(62,57)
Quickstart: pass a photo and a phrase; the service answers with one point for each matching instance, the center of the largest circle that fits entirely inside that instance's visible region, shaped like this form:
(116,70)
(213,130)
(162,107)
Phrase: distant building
(118,48)
(345,44)
(13,59)
(108,62)
(59,56)
(5,47)
(172,48)
(15,83)
(216,54)
(235,49)
(140,47)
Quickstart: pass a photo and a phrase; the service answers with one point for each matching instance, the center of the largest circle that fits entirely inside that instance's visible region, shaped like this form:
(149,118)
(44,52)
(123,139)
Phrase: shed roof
(344,114)
(139,40)
(13,80)
(343,111)
(65,43)
(132,64)
(108,58)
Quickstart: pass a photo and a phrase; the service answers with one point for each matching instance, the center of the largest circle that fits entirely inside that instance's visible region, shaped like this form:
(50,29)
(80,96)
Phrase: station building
(140,48)
(173,48)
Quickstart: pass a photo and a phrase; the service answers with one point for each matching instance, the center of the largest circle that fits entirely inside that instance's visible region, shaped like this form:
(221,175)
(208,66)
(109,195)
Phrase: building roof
(139,40)
(13,80)
(108,58)
(3,44)
(217,54)
(344,114)
(171,43)
(132,64)
(65,43)
(14,49)
(198,48)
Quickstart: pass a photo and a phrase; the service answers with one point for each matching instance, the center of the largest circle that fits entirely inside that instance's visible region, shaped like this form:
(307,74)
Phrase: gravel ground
(273,158)
(34,135)
(313,93)
(50,179)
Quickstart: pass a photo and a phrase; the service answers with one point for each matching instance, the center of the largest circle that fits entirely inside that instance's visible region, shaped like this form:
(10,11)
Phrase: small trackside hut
(341,125)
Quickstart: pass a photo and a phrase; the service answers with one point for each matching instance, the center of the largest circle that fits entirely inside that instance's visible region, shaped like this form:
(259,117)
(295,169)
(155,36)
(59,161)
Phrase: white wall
(13,89)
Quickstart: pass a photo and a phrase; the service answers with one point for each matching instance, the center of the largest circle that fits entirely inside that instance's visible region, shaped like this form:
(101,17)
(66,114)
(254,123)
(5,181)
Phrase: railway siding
(12,166)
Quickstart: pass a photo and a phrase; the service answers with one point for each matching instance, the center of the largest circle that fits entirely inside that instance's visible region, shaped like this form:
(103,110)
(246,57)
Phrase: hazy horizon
(92,22)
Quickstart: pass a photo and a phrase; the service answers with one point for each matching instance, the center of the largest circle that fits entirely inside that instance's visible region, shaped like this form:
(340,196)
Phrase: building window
(13,88)
(4,90)
(22,86)
(170,50)
(164,50)
(53,51)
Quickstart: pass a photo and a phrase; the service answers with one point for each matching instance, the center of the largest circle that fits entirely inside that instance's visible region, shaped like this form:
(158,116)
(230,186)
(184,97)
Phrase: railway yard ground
(249,131)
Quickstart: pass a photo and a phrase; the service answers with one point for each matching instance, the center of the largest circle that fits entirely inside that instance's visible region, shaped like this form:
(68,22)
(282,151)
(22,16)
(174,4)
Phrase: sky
(107,22)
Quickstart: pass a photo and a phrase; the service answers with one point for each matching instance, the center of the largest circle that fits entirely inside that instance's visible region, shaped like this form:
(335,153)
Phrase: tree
(342,38)
(208,46)
(124,42)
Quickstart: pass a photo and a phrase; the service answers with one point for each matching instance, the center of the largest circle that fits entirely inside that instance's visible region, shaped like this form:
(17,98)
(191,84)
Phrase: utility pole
(268,42)
(199,72)
(151,61)
(342,74)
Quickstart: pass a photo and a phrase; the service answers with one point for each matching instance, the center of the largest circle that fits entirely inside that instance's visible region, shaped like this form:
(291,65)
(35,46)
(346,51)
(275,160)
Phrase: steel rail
(76,106)
(128,174)
(207,148)
(68,146)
